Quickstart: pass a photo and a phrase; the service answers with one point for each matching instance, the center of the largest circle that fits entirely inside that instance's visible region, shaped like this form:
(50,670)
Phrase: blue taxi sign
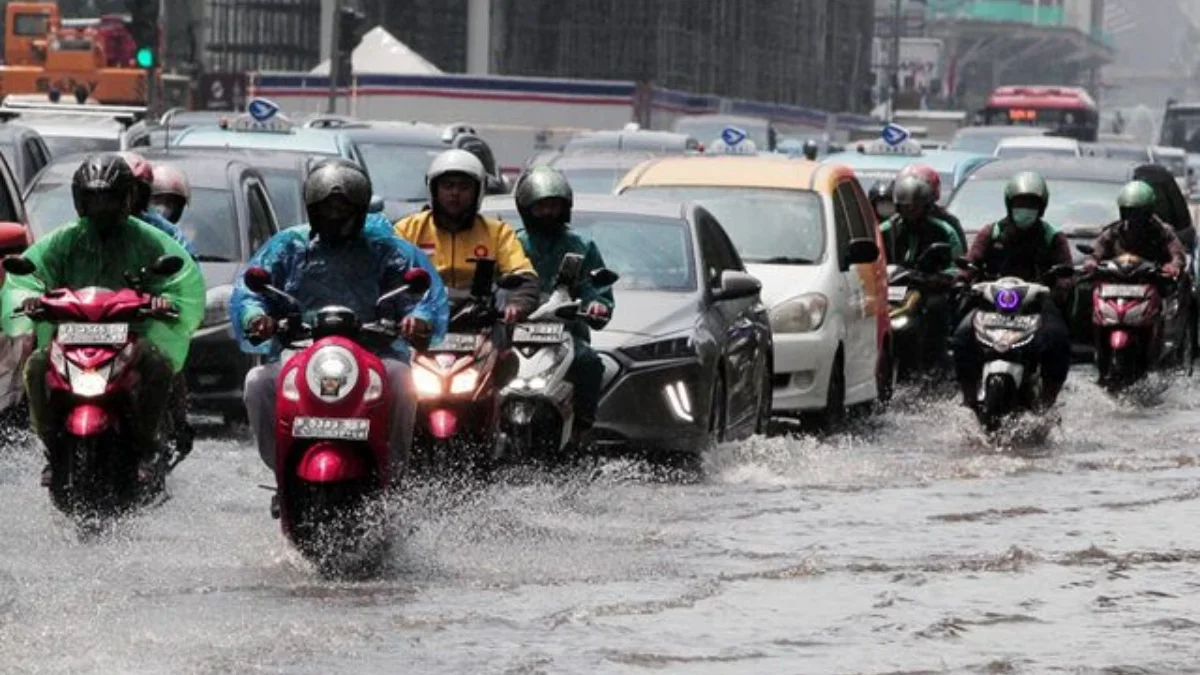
(907,148)
(733,135)
(262,109)
(894,134)
(745,147)
(275,124)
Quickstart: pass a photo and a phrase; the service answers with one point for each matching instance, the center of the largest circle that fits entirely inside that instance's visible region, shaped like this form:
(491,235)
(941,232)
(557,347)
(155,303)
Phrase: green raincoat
(73,256)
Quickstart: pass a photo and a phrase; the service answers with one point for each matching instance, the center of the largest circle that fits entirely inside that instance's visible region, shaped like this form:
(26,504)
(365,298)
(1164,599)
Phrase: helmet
(169,181)
(927,172)
(913,191)
(1027,184)
(101,176)
(1136,202)
(538,183)
(881,191)
(338,177)
(810,149)
(456,161)
(143,176)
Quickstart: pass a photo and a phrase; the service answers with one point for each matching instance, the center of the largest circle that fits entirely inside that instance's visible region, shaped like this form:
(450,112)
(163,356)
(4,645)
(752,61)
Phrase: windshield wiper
(212,258)
(782,260)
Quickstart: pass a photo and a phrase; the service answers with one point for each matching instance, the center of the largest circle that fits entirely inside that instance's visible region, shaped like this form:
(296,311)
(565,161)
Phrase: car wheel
(834,414)
(885,374)
(766,398)
(716,414)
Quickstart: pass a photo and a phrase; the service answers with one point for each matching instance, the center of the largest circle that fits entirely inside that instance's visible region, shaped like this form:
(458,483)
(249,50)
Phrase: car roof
(409,133)
(209,171)
(599,203)
(762,171)
(265,159)
(1038,142)
(1002,130)
(601,159)
(1097,169)
(1168,150)
(637,138)
(300,139)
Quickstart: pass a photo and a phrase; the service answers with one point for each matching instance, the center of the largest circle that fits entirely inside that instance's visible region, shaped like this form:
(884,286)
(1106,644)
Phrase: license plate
(344,429)
(93,333)
(1122,291)
(897,293)
(455,342)
(1009,322)
(537,333)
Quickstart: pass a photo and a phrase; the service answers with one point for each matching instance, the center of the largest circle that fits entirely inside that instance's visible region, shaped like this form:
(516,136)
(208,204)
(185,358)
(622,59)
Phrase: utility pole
(894,74)
(334,54)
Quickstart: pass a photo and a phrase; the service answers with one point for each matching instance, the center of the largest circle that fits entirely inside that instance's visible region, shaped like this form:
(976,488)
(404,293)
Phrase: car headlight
(216,306)
(661,350)
(801,314)
(331,373)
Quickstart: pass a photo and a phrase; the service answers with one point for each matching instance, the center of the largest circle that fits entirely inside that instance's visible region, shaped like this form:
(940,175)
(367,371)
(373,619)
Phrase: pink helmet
(928,174)
(171,181)
(143,172)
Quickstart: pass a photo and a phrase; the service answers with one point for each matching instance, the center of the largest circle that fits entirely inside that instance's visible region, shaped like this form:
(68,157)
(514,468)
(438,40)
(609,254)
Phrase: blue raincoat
(354,275)
(155,220)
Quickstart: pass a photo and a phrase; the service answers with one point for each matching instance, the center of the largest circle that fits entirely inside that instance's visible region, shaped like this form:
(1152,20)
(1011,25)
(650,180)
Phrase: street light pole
(332,30)
(894,71)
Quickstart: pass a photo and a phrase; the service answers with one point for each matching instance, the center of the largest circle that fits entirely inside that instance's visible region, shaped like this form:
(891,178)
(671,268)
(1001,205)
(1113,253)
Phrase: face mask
(168,212)
(885,210)
(1024,218)
(544,226)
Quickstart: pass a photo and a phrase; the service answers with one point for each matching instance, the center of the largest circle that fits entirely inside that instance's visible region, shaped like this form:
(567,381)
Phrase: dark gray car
(687,355)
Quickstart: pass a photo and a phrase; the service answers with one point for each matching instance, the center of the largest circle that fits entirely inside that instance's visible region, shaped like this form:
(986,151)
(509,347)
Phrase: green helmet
(1136,195)
(543,182)
(1027,184)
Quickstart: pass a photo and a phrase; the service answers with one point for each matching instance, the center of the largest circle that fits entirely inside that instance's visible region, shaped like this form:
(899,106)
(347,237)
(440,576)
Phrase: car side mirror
(603,277)
(862,251)
(14,238)
(19,266)
(1085,249)
(735,285)
(257,279)
(167,265)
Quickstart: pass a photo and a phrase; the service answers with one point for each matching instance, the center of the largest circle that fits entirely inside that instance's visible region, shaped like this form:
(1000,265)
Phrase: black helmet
(337,177)
(914,191)
(102,187)
(880,196)
(811,149)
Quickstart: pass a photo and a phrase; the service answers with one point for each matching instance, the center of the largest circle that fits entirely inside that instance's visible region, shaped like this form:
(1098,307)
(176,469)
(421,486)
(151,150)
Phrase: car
(159,133)
(708,128)
(632,138)
(1130,152)
(71,127)
(597,172)
(278,133)
(1025,146)
(878,161)
(688,350)
(229,218)
(983,139)
(1176,160)
(806,229)
(15,237)
(24,150)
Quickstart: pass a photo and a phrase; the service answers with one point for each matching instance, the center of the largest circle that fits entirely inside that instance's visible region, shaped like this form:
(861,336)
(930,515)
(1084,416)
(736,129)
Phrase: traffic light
(350,24)
(143,26)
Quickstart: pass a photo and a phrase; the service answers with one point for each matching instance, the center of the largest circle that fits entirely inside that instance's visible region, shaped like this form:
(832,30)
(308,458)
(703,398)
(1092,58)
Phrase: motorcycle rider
(98,249)
(934,179)
(811,150)
(544,199)
(337,258)
(170,193)
(880,197)
(1140,232)
(907,235)
(451,231)
(1022,245)
(143,176)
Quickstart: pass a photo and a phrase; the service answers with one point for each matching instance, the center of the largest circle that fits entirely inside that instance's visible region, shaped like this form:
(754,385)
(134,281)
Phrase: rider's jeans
(259,395)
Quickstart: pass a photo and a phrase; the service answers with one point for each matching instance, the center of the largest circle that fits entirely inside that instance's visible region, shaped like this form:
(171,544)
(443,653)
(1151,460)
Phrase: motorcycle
(1005,327)
(94,466)
(459,380)
(332,457)
(1133,313)
(909,289)
(538,406)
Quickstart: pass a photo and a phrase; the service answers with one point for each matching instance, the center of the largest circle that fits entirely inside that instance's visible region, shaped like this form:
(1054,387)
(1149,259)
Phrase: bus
(1065,111)
(1181,126)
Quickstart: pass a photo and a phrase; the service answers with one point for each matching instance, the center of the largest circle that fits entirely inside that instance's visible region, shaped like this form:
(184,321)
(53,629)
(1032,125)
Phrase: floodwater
(909,546)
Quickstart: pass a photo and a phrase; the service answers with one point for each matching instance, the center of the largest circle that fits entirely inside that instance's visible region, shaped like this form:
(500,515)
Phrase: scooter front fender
(332,463)
(88,419)
(1118,339)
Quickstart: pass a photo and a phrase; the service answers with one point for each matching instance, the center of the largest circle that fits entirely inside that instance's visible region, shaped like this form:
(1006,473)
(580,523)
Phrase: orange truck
(91,59)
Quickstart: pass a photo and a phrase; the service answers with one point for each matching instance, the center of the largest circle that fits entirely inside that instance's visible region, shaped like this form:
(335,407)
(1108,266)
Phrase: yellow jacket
(450,252)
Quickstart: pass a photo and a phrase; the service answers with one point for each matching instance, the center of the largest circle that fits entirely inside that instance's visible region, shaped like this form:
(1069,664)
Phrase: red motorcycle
(333,466)
(1130,318)
(90,383)
(459,381)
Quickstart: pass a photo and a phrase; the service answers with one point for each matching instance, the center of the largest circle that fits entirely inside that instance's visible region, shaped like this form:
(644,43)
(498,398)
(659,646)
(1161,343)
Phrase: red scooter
(333,464)
(90,384)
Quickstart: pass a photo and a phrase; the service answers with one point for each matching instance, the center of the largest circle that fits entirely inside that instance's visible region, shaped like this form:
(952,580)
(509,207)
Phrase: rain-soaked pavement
(909,547)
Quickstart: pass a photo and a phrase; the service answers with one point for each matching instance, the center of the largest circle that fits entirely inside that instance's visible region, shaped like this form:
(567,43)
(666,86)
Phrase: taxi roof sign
(733,135)
(720,147)
(894,134)
(906,148)
(262,109)
(277,124)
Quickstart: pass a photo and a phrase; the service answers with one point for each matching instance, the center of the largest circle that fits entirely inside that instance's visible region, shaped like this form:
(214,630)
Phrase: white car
(1024,146)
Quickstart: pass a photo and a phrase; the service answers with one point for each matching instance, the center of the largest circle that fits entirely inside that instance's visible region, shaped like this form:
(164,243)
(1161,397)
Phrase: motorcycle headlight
(290,391)
(216,306)
(464,382)
(426,382)
(801,314)
(374,386)
(89,383)
(661,350)
(331,373)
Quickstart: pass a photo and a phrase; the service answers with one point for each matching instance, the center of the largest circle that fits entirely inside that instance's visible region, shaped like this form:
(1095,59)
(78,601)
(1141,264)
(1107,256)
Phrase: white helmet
(457,161)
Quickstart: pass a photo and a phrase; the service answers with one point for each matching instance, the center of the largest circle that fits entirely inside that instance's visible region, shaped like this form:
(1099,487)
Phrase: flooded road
(906,547)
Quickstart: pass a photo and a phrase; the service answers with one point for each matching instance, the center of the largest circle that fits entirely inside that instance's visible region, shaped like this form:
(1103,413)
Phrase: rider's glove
(1090,264)
(262,327)
(29,305)
(1171,270)
(413,328)
(160,305)
(513,313)
(597,309)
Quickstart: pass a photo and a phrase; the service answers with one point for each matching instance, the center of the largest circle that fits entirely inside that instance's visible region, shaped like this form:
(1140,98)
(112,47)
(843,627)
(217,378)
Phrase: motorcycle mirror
(604,277)
(510,281)
(567,312)
(19,265)
(167,265)
(417,280)
(1085,249)
(257,279)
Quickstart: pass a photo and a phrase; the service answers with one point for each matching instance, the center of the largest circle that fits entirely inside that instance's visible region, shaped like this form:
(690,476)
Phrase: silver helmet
(456,161)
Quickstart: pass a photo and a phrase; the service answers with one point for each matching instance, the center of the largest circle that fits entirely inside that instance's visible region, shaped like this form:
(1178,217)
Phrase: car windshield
(65,145)
(208,221)
(284,187)
(706,131)
(1078,207)
(649,253)
(1017,151)
(398,170)
(1139,155)
(315,142)
(594,181)
(985,142)
(1176,164)
(766,226)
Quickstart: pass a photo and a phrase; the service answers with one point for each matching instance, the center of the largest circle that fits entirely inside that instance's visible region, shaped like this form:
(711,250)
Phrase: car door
(741,342)
(857,282)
